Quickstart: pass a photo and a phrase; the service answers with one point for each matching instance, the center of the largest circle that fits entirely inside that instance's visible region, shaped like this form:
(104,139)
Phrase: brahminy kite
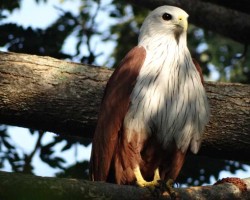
(154,107)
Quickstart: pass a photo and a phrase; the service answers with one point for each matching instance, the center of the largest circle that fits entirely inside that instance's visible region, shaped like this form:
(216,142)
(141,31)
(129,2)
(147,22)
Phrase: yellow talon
(170,184)
(142,183)
(170,188)
(156,182)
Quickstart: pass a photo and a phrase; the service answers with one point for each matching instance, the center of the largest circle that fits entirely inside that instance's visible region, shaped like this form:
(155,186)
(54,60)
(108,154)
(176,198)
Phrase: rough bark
(49,94)
(63,97)
(227,135)
(225,21)
(35,187)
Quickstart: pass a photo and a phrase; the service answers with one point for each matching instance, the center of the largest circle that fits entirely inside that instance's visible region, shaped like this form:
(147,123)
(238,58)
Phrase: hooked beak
(181,22)
(181,26)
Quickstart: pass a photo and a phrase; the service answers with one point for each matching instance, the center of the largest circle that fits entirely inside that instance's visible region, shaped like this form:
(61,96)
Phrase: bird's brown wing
(114,107)
(198,67)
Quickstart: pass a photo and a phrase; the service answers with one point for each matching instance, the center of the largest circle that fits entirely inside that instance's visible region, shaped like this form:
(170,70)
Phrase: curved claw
(169,187)
(143,183)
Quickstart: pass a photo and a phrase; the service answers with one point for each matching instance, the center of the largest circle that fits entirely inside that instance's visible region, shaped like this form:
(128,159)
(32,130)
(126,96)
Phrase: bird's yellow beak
(182,21)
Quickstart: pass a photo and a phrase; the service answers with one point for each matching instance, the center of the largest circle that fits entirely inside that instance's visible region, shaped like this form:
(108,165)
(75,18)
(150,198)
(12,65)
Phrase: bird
(154,108)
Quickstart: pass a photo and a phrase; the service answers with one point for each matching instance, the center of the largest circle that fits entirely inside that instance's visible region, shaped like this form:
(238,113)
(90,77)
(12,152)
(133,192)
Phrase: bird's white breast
(168,99)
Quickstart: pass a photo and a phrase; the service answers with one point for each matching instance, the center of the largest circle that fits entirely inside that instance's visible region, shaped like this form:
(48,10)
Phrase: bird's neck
(152,43)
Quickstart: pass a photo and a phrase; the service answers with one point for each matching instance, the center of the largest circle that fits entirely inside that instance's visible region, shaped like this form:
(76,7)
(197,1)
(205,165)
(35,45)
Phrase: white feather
(168,99)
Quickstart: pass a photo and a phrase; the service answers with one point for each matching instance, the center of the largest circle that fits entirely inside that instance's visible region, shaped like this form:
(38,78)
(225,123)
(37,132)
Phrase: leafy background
(100,33)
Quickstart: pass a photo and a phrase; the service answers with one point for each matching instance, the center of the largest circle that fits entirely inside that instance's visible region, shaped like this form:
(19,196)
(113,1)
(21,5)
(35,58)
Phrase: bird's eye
(166,17)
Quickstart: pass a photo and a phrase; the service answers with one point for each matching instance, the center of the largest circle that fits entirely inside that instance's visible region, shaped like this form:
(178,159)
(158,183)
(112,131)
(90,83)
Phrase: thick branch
(240,5)
(225,21)
(34,187)
(63,97)
(49,94)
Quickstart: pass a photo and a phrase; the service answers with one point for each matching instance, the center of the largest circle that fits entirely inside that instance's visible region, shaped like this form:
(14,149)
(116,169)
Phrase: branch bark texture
(225,21)
(30,187)
(62,97)
(49,94)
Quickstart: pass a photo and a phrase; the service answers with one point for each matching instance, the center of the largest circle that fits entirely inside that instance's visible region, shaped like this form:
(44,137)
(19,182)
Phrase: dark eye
(166,17)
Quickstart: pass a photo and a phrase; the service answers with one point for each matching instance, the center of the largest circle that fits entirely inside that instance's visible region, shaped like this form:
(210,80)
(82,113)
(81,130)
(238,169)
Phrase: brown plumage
(154,107)
(115,103)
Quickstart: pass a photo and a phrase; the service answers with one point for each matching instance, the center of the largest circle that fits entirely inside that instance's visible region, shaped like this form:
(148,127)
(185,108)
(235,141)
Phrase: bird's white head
(164,21)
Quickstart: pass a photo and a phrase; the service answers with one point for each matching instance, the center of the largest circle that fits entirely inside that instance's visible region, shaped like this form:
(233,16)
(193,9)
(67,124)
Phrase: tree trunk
(222,20)
(28,187)
(63,97)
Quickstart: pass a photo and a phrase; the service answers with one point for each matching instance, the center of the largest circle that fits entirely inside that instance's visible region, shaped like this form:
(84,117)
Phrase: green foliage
(230,58)
(207,47)
(8,151)
(198,170)
(127,30)
(21,161)
(78,170)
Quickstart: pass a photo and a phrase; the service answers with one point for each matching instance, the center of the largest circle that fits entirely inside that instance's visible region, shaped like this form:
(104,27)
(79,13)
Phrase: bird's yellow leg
(143,183)
(169,187)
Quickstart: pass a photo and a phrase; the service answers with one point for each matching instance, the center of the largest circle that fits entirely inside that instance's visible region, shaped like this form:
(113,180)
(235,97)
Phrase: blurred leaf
(46,154)
(198,170)
(9,5)
(32,131)
(79,171)
(54,162)
(67,146)
(7,144)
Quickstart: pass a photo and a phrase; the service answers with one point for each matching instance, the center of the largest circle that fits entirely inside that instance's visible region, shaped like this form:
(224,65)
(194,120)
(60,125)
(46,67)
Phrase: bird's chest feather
(168,101)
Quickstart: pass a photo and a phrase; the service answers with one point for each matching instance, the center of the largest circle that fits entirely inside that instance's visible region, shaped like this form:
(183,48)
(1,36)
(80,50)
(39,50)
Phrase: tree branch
(240,5)
(63,97)
(49,94)
(35,187)
(225,21)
